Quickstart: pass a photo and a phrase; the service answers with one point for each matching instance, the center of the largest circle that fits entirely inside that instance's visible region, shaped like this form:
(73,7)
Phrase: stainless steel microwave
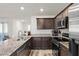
(63,23)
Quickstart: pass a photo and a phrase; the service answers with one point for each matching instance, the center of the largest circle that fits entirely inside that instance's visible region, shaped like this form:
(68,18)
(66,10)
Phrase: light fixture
(22,8)
(41,9)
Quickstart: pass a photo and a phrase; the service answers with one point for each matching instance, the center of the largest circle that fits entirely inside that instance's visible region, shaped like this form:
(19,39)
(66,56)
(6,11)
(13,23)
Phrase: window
(0,27)
(3,30)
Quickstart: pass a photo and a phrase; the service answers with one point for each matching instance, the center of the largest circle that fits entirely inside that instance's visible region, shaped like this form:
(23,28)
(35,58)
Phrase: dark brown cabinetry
(24,50)
(42,43)
(33,43)
(21,51)
(14,54)
(36,42)
(46,43)
(61,21)
(45,23)
(64,51)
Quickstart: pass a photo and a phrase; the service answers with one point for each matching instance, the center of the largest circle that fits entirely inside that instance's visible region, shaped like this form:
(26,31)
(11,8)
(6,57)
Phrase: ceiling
(12,10)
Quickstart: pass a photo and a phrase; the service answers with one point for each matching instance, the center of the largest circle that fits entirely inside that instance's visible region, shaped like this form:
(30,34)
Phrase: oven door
(56,46)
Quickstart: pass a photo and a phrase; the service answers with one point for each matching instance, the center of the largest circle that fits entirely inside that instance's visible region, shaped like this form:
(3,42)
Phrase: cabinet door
(45,23)
(48,23)
(21,51)
(42,43)
(63,51)
(36,42)
(46,43)
(25,49)
(14,54)
(28,47)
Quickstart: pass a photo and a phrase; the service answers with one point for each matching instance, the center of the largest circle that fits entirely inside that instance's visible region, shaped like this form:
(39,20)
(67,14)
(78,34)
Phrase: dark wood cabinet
(42,43)
(61,21)
(36,42)
(45,23)
(24,50)
(46,43)
(14,53)
(33,43)
(64,51)
(21,51)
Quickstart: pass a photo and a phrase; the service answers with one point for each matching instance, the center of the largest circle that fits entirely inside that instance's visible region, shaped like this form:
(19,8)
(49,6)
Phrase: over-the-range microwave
(63,23)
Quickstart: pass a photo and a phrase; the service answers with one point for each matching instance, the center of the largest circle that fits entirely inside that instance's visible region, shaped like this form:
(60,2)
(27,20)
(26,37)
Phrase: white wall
(14,27)
(26,23)
(17,25)
(64,30)
(34,29)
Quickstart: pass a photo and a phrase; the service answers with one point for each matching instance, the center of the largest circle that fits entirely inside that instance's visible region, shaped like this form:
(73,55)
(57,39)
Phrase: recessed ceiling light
(22,8)
(41,9)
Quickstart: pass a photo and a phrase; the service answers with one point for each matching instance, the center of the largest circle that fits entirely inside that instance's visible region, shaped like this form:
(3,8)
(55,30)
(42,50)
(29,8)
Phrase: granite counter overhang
(11,45)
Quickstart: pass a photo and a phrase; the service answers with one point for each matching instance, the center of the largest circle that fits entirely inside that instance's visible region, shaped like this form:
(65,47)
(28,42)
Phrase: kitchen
(49,32)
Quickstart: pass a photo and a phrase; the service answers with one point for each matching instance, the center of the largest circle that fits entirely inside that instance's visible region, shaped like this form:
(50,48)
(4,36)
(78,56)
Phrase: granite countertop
(47,35)
(66,44)
(41,35)
(11,45)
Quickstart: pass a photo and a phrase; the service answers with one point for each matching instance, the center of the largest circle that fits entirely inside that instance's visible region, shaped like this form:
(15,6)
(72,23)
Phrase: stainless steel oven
(56,45)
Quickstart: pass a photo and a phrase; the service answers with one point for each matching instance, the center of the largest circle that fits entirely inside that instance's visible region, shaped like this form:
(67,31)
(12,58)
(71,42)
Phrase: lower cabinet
(46,43)
(14,54)
(24,50)
(23,53)
(64,51)
(36,42)
(33,43)
(42,43)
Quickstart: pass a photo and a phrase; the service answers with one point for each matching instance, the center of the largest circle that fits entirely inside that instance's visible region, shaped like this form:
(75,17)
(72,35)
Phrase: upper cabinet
(45,23)
(61,20)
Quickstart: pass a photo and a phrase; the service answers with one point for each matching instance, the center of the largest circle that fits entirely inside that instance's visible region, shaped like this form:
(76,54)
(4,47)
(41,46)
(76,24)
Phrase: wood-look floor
(41,53)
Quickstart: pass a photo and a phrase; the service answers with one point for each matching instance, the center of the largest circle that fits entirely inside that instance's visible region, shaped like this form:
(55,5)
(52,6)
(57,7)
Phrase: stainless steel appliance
(63,23)
(56,45)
